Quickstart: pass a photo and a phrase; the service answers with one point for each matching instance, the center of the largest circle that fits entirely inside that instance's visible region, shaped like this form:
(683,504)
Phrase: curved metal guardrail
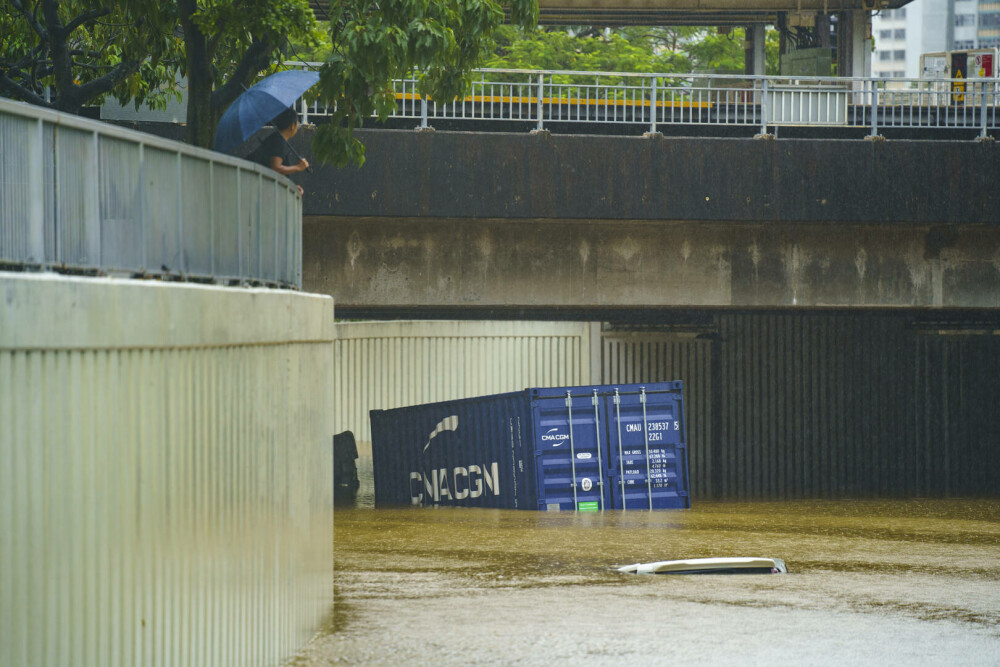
(78,195)
(545,97)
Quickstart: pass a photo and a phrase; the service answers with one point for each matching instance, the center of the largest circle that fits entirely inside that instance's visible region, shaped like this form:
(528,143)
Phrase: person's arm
(276,163)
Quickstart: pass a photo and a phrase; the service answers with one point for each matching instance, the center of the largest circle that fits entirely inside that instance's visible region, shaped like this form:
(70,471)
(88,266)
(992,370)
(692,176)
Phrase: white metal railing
(81,195)
(544,97)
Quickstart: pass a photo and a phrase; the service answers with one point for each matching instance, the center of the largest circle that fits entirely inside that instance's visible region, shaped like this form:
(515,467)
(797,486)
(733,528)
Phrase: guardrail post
(423,110)
(874,107)
(763,106)
(652,105)
(541,89)
(982,119)
(35,180)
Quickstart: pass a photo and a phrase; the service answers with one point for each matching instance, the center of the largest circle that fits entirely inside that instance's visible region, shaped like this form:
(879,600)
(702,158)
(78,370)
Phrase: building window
(885,56)
(965,44)
(899,33)
(885,34)
(965,19)
(988,19)
(899,54)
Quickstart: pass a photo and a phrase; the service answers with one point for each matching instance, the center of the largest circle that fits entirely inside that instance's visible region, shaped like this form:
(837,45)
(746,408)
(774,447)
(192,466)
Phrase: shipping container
(586,448)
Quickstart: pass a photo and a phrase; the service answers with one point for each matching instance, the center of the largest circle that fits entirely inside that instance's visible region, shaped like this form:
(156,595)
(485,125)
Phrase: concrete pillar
(854,44)
(756,61)
(861,43)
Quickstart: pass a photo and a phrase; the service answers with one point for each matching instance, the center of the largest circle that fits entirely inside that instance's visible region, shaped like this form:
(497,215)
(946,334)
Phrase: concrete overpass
(447,222)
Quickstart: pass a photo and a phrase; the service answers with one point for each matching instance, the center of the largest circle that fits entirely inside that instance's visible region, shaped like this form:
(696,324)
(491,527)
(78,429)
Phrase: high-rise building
(927,26)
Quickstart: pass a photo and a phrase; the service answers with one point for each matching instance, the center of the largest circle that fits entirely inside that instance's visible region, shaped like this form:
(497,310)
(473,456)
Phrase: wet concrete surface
(912,582)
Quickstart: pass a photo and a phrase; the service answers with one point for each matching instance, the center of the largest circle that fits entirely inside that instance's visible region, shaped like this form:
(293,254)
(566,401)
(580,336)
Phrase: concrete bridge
(457,222)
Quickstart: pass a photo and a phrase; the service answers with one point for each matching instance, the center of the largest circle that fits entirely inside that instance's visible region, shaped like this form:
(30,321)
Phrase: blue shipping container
(567,448)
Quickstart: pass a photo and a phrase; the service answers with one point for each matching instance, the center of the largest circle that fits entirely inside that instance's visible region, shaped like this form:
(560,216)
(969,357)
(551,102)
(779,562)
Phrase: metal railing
(540,98)
(84,196)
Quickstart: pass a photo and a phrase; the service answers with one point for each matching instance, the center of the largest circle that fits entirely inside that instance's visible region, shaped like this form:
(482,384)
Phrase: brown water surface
(893,582)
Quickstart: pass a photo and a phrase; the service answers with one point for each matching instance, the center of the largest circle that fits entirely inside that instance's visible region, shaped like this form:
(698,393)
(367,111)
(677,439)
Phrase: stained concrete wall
(407,262)
(458,220)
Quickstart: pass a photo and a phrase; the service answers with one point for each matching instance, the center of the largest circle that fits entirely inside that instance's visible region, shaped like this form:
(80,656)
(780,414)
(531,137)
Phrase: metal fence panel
(122,233)
(21,178)
(76,221)
(266,230)
(197,216)
(226,221)
(77,194)
(162,194)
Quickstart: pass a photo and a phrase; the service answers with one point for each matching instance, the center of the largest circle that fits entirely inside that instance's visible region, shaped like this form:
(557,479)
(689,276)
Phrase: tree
(65,54)
(634,49)
(227,44)
(373,43)
(584,51)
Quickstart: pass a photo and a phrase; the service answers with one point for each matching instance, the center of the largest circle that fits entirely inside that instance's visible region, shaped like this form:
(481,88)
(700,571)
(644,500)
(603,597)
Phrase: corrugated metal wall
(161,504)
(384,365)
(827,404)
(957,390)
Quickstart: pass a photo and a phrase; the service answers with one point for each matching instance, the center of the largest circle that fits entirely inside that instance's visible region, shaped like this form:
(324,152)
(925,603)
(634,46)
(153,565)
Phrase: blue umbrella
(259,104)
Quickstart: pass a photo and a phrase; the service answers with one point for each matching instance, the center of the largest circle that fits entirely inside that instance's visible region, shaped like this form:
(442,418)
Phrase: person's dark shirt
(273,146)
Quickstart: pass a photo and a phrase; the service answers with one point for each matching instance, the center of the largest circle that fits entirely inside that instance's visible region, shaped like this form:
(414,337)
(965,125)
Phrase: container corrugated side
(473,452)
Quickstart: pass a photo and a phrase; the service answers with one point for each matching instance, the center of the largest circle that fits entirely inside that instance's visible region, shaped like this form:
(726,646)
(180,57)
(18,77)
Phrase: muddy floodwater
(913,582)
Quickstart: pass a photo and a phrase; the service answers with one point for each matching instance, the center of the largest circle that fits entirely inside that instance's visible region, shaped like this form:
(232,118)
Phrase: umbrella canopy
(259,104)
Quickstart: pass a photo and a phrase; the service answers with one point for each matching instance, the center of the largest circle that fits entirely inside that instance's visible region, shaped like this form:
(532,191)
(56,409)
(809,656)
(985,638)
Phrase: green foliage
(560,50)
(374,43)
(85,50)
(232,27)
(637,49)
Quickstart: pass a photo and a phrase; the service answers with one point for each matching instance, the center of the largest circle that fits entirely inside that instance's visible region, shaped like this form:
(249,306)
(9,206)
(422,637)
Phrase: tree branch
(14,89)
(31,19)
(105,83)
(84,18)
(255,59)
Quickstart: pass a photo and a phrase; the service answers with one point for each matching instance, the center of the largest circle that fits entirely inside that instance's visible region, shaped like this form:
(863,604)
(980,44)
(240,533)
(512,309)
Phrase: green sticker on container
(590,506)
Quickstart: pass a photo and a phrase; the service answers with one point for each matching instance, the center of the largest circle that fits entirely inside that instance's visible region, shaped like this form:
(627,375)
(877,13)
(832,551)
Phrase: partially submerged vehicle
(709,566)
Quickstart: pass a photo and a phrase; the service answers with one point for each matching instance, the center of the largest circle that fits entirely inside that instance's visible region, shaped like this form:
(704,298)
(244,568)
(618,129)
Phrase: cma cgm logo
(553,435)
(455,483)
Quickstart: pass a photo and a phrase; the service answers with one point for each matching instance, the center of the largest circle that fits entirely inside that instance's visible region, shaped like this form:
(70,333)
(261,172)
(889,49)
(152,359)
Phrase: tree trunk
(201,118)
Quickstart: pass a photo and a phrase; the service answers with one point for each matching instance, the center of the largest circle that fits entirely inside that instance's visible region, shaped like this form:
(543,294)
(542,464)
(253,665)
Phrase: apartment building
(925,26)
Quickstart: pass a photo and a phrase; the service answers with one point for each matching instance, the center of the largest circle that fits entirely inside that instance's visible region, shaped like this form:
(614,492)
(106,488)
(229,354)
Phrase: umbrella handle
(309,169)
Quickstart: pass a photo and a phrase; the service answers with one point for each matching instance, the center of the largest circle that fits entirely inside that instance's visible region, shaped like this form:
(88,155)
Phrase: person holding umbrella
(267,100)
(275,151)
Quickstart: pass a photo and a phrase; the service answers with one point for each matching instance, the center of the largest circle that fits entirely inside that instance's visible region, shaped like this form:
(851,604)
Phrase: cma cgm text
(458,483)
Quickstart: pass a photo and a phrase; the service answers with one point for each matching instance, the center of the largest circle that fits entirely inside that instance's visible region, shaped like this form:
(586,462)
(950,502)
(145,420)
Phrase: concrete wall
(467,175)
(165,472)
(380,264)
(463,220)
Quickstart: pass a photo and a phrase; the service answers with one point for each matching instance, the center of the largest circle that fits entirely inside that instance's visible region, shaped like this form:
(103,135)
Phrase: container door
(647,457)
(569,449)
